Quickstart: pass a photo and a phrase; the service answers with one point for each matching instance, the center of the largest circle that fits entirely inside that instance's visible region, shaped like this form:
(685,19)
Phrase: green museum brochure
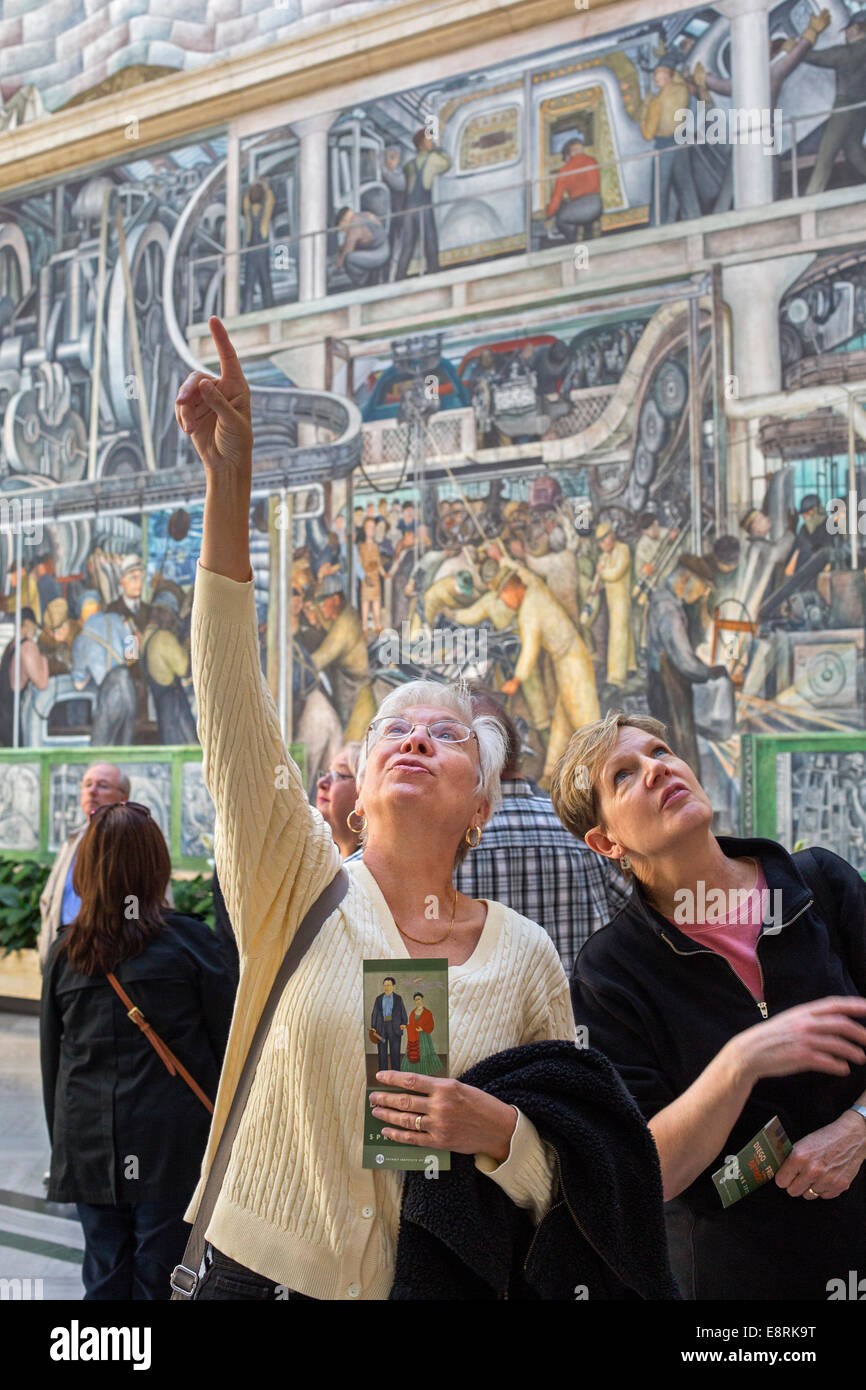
(405,1028)
(755,1164)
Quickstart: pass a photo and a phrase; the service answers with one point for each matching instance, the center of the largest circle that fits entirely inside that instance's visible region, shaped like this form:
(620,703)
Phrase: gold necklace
(418,939)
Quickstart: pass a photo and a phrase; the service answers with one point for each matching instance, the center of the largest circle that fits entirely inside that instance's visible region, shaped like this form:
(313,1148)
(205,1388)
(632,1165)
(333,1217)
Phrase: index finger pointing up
(230,367)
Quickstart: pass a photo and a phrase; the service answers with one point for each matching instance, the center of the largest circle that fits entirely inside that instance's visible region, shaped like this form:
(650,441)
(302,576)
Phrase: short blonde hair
(574,786)
(488,731)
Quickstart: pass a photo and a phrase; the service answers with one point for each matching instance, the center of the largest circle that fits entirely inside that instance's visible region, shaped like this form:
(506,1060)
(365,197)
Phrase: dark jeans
(226,1279)
(130,1251)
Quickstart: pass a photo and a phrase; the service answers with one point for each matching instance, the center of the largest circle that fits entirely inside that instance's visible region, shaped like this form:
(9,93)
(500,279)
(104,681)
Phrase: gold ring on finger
(813,1192)
(418,1119)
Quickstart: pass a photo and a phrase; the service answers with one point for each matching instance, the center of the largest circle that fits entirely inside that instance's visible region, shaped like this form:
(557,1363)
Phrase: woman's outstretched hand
(216,414)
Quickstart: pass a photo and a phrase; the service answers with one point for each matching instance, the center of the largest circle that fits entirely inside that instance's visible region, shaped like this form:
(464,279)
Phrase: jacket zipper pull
(762,1006)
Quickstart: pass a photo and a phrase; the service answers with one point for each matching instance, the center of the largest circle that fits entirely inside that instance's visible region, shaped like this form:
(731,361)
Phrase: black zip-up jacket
(109,1098)
(661,1007)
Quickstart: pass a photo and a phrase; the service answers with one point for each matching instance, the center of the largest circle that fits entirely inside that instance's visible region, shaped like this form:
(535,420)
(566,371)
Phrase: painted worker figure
(364,253)
(844,130)
(33,669)
(613,571)
(672,170)
(672,665)
(166,663)
(812,535)
(59,633)
(419,236)
(387,1022)
(785,56)
(444,595)
(394,179)
(344,647)
(258,207)
(490,607)
(372,574)
(544,625)
(129,602)
(550,558)
(129,606)
(102,655)
(576,200)
(649,567)
(724,561)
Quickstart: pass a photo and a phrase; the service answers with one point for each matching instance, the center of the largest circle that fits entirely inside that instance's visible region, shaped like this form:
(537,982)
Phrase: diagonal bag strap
(162,1049)
(185,1276)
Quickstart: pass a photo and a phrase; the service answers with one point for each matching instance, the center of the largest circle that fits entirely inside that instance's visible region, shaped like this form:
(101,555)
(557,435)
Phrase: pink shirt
(734,935)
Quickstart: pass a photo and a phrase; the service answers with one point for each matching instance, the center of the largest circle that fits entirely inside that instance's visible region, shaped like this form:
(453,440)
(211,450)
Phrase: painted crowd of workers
(128,656)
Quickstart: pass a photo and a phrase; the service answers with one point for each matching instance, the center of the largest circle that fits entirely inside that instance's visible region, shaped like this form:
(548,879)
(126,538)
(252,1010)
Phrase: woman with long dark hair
(127,1130)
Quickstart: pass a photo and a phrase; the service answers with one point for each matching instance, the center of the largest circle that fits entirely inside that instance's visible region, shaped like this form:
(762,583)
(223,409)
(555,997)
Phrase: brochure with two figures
(405,1029)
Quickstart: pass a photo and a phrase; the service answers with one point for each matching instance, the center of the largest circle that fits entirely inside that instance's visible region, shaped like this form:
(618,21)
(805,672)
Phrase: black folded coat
(461,1236)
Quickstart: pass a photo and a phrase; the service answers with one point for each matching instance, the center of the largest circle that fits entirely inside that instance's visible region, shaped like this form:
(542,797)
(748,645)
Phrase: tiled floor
(39,1243)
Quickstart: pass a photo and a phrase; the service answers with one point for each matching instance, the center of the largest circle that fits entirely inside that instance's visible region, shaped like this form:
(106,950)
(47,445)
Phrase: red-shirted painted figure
(576,200)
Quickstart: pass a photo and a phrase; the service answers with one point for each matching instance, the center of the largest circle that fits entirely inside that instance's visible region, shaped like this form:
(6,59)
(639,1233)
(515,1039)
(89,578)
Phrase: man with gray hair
(103,784)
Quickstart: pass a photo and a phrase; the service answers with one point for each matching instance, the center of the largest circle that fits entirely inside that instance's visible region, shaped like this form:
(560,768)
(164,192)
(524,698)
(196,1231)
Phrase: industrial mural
(631,129)
(537,503)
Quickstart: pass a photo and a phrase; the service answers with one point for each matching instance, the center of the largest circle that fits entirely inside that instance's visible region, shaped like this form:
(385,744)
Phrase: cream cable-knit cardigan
(296,1205)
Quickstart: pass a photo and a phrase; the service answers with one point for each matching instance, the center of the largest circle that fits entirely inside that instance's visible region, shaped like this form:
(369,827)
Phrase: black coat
(109,1099)
(461,1236)
(661,1007)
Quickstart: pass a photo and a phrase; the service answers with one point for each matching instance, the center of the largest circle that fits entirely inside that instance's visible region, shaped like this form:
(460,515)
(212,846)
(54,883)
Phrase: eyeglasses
(328,777)
(440,730)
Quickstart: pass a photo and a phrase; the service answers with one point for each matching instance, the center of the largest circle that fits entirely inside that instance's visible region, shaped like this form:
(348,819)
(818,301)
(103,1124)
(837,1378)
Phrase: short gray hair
(456,698)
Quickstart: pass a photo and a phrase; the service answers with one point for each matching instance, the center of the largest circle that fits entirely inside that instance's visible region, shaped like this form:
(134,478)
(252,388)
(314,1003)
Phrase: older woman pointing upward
(296,1210)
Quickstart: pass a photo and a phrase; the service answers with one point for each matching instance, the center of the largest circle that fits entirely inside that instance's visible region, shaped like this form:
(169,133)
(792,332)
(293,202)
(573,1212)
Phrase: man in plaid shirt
(528,860)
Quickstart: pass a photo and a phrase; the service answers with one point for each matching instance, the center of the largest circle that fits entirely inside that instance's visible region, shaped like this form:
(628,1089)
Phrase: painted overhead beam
(185,104)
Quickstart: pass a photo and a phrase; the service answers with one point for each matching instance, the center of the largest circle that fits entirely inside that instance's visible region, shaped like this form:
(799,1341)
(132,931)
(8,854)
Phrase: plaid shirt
(530,862)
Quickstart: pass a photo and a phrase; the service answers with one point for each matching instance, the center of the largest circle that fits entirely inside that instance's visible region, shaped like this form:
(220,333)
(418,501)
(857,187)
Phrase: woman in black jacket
(728,990)
(127,1135)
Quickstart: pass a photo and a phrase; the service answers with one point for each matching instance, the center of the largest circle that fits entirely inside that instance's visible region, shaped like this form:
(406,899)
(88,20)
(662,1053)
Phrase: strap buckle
(184,1281)
(130,1013)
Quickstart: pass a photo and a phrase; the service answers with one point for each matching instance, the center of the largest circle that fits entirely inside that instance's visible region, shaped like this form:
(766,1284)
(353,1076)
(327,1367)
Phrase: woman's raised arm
(274,853)
(216,416)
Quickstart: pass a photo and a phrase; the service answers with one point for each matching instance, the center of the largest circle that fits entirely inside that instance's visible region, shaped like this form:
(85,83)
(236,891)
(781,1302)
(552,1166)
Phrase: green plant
(21,883)
(194,895)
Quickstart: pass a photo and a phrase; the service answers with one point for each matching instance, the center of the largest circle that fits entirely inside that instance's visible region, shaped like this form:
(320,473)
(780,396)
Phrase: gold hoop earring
(351,826)
(473,844)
